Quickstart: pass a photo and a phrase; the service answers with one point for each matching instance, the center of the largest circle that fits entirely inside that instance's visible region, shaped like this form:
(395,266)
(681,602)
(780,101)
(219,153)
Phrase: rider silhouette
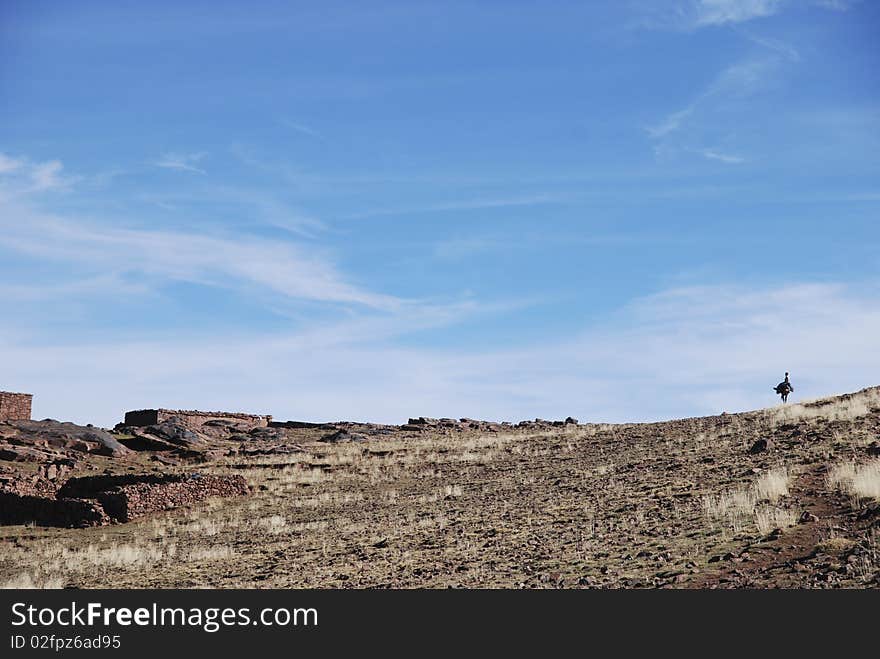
(784,388)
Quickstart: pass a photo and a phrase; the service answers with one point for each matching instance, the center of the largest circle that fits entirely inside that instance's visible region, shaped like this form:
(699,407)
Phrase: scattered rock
(56,470)
(344,436)
(761,446)
(21,454)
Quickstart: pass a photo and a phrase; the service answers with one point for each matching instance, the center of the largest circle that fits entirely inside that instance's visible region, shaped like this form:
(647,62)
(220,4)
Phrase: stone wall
(129,502)
(128,497)
(15,407)
(18,508)
(194,418)
(99,500)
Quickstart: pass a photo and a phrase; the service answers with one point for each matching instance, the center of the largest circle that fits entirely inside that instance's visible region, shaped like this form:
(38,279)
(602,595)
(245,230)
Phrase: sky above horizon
(619,211)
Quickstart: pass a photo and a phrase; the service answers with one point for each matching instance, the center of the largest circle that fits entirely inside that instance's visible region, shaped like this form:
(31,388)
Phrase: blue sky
(615,210)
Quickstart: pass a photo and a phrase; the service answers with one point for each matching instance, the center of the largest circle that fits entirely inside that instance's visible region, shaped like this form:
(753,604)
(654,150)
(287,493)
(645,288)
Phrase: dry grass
(860,481)
(740,508)
(772,484)
(836,545)
(830,409)
(25,581)
(769,518)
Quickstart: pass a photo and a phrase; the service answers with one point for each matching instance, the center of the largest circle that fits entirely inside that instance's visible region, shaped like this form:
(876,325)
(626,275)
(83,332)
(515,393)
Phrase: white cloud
(681,129)
(276,267)
(698,14)
(47,175)
(836,5)
(22,176)
(301,128)
(686,351)
(9,164)
(107,254)
(720,12)
(776,45)
(726,158)
(185,162)
(462,205)
(670,123)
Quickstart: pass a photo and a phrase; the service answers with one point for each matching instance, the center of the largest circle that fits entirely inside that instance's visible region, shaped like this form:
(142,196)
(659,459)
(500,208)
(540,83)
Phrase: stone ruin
(15,407)
(422,423)
(194,418)
(98,500)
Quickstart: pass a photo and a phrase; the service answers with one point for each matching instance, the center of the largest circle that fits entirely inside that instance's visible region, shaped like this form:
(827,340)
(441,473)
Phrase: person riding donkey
(784,388)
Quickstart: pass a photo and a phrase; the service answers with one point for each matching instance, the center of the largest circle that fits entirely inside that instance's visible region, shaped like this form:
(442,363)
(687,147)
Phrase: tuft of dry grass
(25,581)
(836,545)
(772,484)
(273,524)
(768,518)
(740,508)
(861,481)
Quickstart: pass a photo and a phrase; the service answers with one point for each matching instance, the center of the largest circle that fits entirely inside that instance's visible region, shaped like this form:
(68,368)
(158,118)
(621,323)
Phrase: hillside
(783,497)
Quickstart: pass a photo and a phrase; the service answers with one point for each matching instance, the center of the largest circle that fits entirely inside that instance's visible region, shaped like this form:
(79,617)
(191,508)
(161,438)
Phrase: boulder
(174,430)
(21,454)
(56,470)
(422,421)
(344,436)
(261,433)
(68,435)
(761,446)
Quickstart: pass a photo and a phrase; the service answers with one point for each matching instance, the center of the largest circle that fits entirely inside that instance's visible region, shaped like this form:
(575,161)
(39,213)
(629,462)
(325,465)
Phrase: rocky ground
(773,498)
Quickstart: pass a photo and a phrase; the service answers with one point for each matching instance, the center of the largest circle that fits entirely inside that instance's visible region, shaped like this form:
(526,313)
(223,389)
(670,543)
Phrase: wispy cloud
(721,12)
(671,122)
(9,164)
(240,261)
(107,248)
(726,158)
(776,45)
(463,205)
(47,175)
(301,128)
(681,129)
(185,162)
(735,81)
(698,14)
(685,351)
(256,206)
(837,5)
(23,176)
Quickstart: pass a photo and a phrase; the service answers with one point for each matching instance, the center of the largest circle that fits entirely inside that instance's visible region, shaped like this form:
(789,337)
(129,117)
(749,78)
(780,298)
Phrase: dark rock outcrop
(761,446)
(64,435)
(344,436)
